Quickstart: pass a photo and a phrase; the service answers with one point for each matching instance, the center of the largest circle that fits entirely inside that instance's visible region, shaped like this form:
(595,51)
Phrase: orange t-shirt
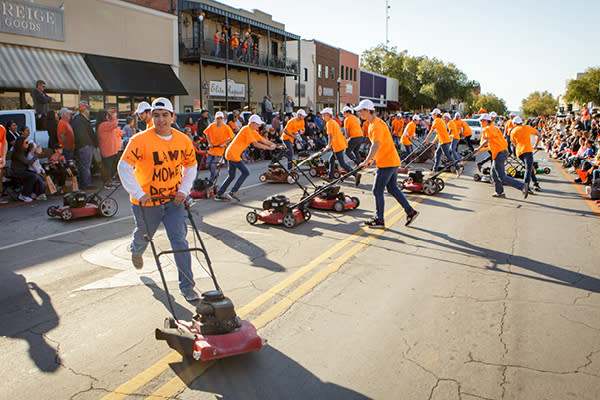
(293,126)
(496,142)
(365,128)
(442,133)
(2,141)
(387,155)
(336,137)
(64,128)
(242,140)
(159,163)
(150,124)
(466,128)
(508,127)
(218,136)
(352,126)
(233,126)
(409,133)
(397,126)
(521,137)
(454,129)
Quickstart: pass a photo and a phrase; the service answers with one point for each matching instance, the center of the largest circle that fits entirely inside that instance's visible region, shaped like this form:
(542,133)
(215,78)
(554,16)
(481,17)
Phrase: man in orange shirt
(354,134)
(508,127)
(247,136)
(292,131)
(64,133)
(492,140)
(219,135)
(397,129)
(444,142)
(409,134)
(466,130)
(454,128)
(521,137)
(387,161)
(157,163)
(337,143)
(144,112)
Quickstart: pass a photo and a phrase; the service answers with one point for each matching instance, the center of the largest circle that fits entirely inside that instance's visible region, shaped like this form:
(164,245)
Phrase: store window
(124,106)
(96,102)
(10,101)
(110,103)
(70,101)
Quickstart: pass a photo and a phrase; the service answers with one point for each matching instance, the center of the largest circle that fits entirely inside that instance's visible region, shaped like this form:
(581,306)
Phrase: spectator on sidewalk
(267,110)
(33,184)
(51,127)
(41,103)
(3,150)
(57,166)
(288,106)
(85,143)
(203,121)
(65,135)
(109,141)
(128,131)
(12,134)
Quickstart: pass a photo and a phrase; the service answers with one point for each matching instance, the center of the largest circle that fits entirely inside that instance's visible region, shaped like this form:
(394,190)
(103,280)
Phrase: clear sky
(511,47)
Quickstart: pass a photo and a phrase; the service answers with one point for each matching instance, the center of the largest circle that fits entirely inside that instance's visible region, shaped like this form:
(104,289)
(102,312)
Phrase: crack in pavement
(580,323)
(587,296)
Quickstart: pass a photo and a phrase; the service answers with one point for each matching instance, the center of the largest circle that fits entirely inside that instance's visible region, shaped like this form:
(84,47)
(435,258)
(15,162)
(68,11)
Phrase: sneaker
(537,188)
(459,171)
(375,224)
(357,179)
(33,196)
(479,167)
(42,197)
(26,199)
(499,195)
(525,191)
(223,197)
(233,195)
(190,295)
(138,261)
(410,218)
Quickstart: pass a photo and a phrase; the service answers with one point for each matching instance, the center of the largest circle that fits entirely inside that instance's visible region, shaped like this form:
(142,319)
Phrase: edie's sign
(32,19)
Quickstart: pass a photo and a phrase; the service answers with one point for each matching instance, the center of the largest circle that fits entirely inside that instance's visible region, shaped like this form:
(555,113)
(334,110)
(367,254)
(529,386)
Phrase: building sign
(348,88)
(217,89)
(327,91)
(31,19)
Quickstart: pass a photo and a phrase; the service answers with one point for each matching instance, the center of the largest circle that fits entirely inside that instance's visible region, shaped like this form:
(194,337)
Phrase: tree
(539,103)
(489,102)
(586,88)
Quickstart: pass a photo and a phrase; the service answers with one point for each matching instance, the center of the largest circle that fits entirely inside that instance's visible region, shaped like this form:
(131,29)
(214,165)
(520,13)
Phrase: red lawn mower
(79,204)
(215,331)
(205,188)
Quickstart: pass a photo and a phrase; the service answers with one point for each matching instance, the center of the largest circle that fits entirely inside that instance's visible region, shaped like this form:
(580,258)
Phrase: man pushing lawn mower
(387,161)
(338,144)
(157,163)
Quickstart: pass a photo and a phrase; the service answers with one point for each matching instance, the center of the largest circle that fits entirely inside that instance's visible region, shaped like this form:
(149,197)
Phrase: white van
(25,118)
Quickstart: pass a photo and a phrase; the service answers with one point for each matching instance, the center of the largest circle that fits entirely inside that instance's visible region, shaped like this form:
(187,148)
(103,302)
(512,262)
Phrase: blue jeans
(233,165)
(454,148)
(499,175)
(340,157)
(211,163)
(438,155)
(32,182)
(595,176)
(409,150)
(84,166)
(397,141)
(352,150)
(173,218)
(386,178)
(529,174)
(289,152)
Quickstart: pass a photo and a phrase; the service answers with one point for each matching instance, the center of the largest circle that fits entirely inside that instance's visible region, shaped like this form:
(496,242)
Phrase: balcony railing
(188,50)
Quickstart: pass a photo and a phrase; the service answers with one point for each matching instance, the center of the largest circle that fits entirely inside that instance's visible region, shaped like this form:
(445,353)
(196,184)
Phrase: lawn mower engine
(416,176)
(279,203)
(216,314)
(76,199)
(202,189)
(332,193)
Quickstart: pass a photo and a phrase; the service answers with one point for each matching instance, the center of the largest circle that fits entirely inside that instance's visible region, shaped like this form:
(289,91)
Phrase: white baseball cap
(416,117)
(436,111)
(365,105)
(143,107)
(347,109)
(256,119)
(485,117)
(512,114)
(457,115)
(65,110)
(327,111)
(301,112)
(447,115)
(219,114)
(517,121)
(162,103)
(493,114)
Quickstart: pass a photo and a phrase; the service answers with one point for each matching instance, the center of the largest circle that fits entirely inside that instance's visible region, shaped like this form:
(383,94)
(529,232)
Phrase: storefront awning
(22,66)
(131,77)
(393,105)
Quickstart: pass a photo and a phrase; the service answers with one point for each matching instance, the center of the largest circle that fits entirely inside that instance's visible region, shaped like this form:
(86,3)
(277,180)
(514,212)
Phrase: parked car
(475,126)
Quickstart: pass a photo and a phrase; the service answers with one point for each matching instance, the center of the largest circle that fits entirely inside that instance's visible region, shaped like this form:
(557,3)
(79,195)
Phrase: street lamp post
(339,82)
(200,47)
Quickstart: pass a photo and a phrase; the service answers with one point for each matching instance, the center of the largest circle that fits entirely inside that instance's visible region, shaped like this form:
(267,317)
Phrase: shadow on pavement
(160,295)
(267,374)
(32,318)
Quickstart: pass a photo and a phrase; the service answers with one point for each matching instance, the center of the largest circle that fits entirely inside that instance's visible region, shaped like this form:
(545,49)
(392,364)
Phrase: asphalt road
(480,299)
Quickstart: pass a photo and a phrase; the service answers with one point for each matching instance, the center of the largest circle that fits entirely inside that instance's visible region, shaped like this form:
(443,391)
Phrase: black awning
(131,77)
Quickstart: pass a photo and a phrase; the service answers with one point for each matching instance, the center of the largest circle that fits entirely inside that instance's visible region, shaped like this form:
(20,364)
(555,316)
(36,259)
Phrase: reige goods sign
(32,19)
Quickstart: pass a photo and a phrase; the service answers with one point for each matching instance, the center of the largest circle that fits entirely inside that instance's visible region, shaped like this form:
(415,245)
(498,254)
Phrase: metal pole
(387,20)
(248,88)
(298,73)
(227,65)
(200,48)
(285,72)
(268,60)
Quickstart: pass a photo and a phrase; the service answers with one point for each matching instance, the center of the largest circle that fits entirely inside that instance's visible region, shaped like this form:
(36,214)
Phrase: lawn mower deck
(333,199)
(78,204)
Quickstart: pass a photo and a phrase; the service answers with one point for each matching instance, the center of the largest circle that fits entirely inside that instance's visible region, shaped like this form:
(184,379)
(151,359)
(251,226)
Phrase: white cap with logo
(416,117)
(436,111)
(485,117)
(365,105)
(327,111)
(162,103)
(143,107)
(447,115)
(301,112)
(256,119)
(493,114)
(347,109)
(219,114)
(517,121)
(457,115)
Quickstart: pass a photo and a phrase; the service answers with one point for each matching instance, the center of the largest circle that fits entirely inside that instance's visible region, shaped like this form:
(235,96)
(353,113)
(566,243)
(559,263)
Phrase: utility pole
(387,21)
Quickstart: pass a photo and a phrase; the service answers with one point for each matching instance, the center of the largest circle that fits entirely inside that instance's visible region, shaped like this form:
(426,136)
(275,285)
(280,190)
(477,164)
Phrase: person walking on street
(521,137)
(454,131)
(219,135)
(337,143)
(247,136)
(292,131)
(387,160)
(466,131)
(493,140)
(397,129)
(408,135)
(144,114)
(160,162)
(354,134)
(85,143)
(444,142)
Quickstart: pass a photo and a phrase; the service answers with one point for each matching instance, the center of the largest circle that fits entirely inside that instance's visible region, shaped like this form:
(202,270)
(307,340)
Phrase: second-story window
(326,72)
(332,73)
(319,71)
(274,49)
(305,74)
